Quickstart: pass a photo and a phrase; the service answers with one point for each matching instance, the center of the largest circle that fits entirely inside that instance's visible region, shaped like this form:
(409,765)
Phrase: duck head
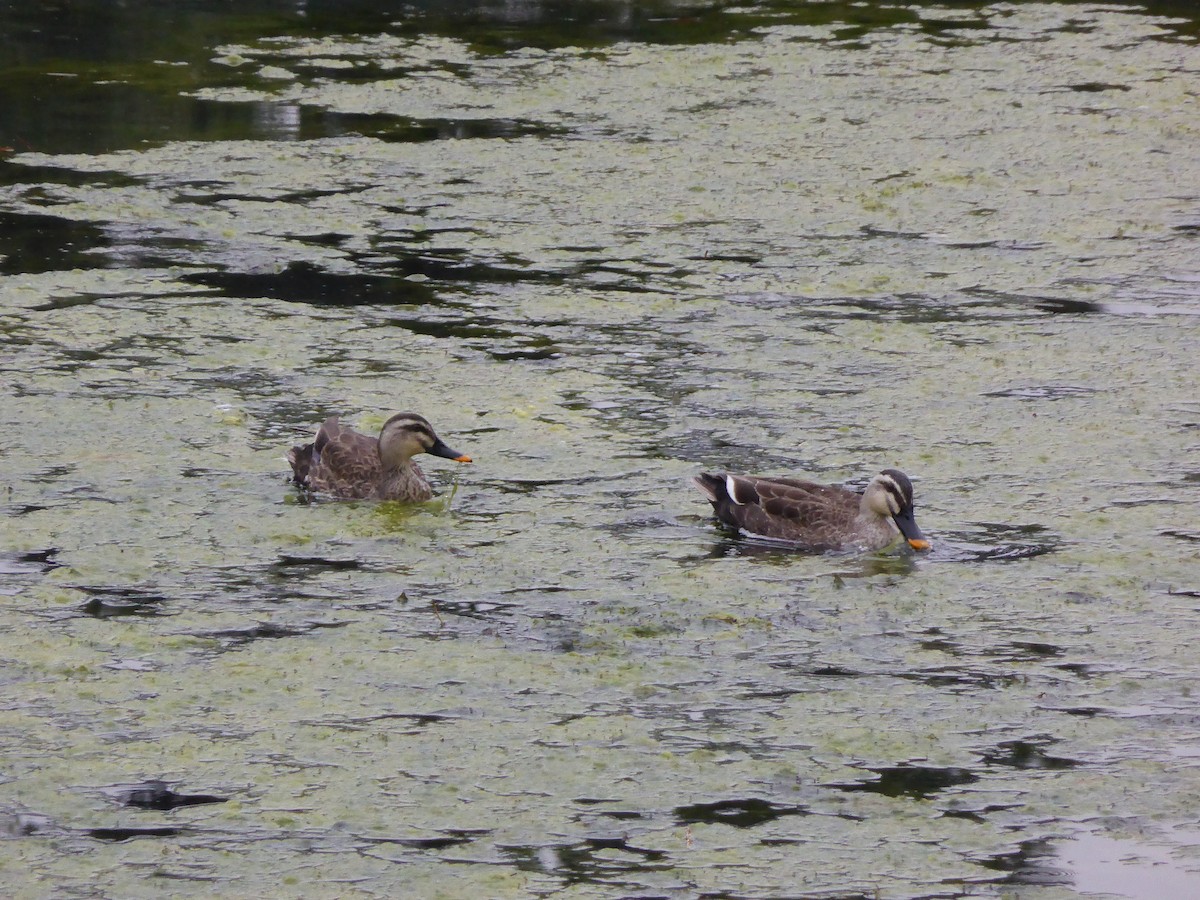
(890,495)
(405,435)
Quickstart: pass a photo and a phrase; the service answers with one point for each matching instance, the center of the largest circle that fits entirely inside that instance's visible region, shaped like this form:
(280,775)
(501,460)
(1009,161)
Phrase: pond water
(602,249)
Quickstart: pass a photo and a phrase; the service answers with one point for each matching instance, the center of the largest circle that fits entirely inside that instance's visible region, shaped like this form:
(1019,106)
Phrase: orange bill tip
(463,458)
(918,544)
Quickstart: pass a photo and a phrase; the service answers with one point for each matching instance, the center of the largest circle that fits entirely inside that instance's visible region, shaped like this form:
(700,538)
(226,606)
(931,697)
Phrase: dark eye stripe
(899,486)
(418,427)
(411,422)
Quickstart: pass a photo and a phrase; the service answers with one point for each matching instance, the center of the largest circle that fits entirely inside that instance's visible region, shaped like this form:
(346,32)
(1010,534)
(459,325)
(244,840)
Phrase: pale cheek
(885,506)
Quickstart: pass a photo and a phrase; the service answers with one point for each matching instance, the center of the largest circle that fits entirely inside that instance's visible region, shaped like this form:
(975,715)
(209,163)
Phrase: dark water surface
(602,247)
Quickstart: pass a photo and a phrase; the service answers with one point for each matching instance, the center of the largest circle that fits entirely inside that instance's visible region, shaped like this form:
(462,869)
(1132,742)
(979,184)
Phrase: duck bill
(908,527)
(440,449)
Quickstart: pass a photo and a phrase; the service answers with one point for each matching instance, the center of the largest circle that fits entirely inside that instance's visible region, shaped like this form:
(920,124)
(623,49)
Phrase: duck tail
(712,485)
(300,459)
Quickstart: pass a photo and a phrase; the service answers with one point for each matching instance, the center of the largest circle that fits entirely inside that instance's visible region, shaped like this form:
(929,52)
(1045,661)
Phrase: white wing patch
(731,490)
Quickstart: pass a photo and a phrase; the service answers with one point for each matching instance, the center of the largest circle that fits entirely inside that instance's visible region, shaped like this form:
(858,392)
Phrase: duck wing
(300,458)
(789,509)
(343,462)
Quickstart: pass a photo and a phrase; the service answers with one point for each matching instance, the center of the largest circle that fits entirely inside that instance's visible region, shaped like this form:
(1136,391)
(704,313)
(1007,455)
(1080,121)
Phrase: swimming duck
(817,516)
(354,466)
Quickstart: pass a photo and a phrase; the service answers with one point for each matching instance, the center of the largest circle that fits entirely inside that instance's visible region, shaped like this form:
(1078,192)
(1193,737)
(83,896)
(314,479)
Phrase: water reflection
(1136,868)
(742,813)
(909,780)
(995,542)
(595,860)
(91,80)
(850,564)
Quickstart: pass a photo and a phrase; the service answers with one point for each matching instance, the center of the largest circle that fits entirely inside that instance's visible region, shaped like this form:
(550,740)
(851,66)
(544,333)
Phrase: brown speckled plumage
(817,516)
(353,466)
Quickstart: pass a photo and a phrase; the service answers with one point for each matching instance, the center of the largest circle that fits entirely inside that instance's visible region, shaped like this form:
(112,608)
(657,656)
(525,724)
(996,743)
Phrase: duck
(354,466)
(817,517)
